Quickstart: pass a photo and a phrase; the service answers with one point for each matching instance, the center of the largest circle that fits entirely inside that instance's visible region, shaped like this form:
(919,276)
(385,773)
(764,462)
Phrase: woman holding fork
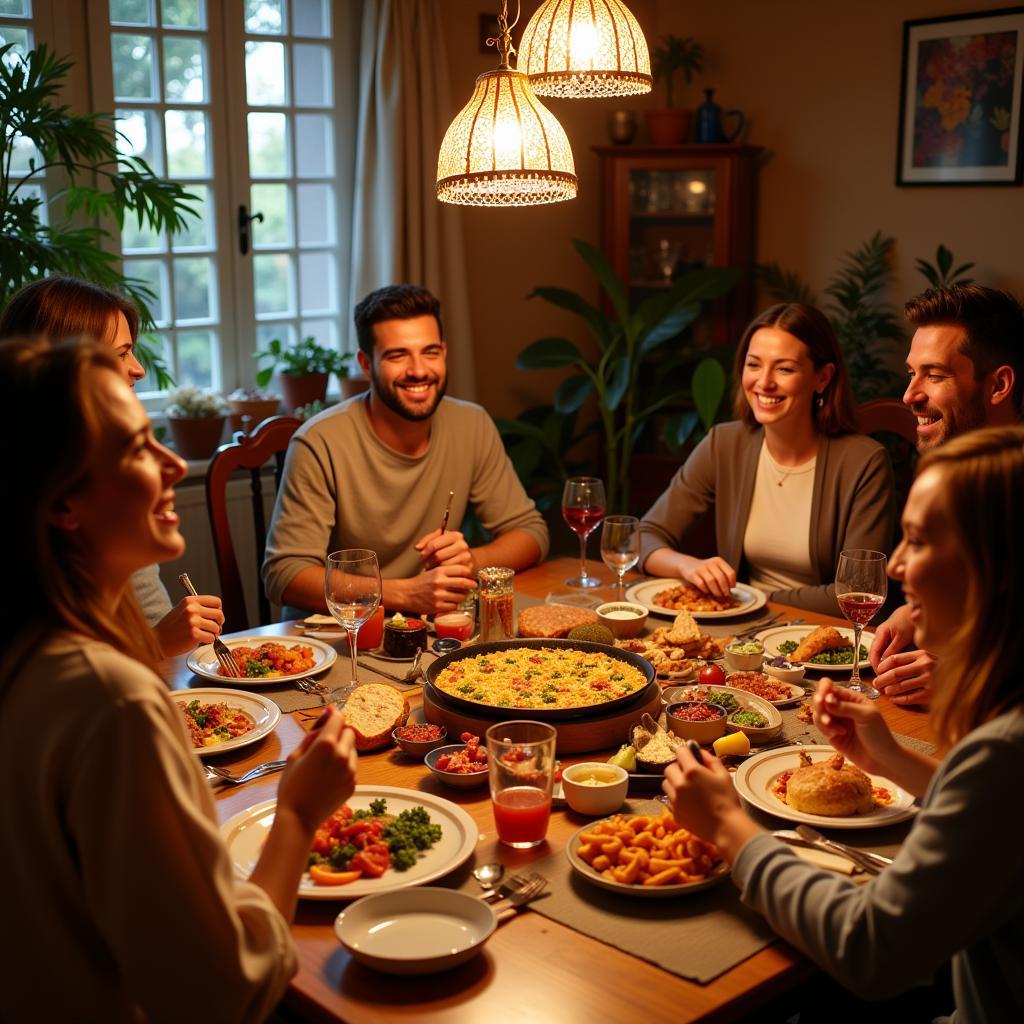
(111,846)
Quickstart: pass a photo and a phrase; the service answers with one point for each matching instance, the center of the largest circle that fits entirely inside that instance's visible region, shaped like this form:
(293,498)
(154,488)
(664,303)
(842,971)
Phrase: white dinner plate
(584,870)
(264,713)
(204,662)
(754,779)
(771,638)
(750,599)
(420,931)
(245,834)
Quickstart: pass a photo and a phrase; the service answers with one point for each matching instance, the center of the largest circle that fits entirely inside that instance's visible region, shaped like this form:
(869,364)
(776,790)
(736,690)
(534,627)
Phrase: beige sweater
(344,488)
(853,504)
(121,902)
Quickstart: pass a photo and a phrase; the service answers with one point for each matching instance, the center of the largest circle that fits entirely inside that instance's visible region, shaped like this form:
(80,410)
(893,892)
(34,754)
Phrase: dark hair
(836,414)
(992,320)
(56,582)
(65,307)
(395,302)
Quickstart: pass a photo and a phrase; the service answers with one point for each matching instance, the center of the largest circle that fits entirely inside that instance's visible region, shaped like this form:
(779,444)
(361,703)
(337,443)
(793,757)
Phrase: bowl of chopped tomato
(419,738)
(696,720)
(460,765)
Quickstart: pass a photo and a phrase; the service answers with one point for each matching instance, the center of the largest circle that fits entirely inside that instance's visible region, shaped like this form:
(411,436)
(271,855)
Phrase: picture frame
(960,100)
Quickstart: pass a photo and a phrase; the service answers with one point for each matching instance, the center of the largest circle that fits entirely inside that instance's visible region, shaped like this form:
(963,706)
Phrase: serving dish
(771,638)
(795,692)
(457,780)
(623,626)
(421,931)
(745,700)
(245,833)
(203,662)
(264,713)
(594,800)
(756,776)
(750,599)
(418,748)
(704,731)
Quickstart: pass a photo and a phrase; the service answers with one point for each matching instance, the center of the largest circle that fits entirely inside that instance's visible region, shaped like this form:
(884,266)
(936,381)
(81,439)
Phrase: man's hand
(448,549)
(191,622)
(432,592)
(906,678)
(714,576)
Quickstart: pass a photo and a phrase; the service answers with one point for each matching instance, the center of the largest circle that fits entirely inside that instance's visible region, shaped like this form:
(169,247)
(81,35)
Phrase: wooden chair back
(246,452)
(887,416)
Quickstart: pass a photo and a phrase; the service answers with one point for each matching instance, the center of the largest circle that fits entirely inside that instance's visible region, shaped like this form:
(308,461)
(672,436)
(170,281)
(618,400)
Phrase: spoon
(488,875)
(865,858)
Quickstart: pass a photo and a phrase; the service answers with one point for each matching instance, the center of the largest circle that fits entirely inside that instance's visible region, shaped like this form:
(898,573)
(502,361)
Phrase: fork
(215,773)
(509,886)
(506,908)
(221,649)
(313,687)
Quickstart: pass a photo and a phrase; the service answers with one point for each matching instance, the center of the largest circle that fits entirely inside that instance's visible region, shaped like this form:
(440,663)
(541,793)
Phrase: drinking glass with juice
(372,633)
(521,758)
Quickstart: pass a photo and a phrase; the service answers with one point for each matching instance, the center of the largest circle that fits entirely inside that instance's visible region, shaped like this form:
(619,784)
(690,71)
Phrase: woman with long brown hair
(790,480)
(956,887)
(124,904)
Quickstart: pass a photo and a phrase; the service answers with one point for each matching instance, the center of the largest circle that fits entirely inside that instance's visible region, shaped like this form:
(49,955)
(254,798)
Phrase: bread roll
(373,711)
(831,787)
(547,621)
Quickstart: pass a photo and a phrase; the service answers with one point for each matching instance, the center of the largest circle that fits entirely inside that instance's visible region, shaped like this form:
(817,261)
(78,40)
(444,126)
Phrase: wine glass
(620,546)
(352,587)
(583,510)
(860,590)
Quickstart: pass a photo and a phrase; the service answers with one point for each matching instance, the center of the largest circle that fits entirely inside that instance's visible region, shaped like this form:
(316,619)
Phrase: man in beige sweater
(375,472)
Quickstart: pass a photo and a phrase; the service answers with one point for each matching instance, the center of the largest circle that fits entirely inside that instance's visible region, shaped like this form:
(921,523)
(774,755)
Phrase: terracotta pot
(196,437)
(352,386)
(257,409)
(668,127)
(303,390)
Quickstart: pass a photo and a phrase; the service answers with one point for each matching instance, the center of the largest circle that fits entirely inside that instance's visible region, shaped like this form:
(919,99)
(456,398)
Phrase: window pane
(131,12)
(265,16)
(264,74)
(314,145)
(312,75)
(193,298)
(316,214)
(268,152)
(274,202)
(21,40)
(311,18)
(199,233)
(265,334)
(273,283)
(325,332)
(36,192)
(16,8)
(140,239)
(139,135)
(186,144)
(133,67)
(160,343)
(153,274)
(195,358)
(317,278)
(183,70)
(23,155)
(183,13)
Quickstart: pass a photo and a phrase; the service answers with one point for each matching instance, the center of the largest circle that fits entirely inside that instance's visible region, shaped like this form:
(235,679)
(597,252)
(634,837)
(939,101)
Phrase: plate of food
(266,660)
(817,785)
(675,650)
(221,720)
(640,864)
(384,838)
(668,597)
(822,648)
(745,711)
(760,684)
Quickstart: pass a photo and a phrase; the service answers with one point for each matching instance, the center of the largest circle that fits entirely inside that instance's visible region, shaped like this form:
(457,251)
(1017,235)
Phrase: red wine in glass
(583,505)
(860,608)
(860,590)
(583,520)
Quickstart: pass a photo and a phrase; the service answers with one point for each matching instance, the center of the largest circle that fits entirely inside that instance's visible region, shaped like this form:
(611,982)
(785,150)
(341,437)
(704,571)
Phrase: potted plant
(64,236)
(252,404)
(196,419)
(304,370)
(671,126)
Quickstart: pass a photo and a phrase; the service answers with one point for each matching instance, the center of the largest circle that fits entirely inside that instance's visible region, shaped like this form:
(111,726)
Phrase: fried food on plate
(833,787)
(687,598)
(824,638)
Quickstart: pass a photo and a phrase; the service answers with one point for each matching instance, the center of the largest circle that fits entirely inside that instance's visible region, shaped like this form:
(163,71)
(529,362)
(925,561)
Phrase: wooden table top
(532,968)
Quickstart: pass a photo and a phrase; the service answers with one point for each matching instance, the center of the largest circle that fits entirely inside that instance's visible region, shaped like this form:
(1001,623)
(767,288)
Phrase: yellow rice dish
(531,677)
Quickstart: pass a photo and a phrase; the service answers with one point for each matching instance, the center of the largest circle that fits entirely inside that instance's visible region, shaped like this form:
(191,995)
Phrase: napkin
(823,859)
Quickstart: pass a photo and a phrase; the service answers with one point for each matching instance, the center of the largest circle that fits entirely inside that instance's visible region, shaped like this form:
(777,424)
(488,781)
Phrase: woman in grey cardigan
(791,481)
(956,887)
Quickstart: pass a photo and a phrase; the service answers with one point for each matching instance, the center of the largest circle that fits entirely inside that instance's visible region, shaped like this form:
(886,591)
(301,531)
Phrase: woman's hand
(703,799)
(194,620)
(854,725)
(714,576)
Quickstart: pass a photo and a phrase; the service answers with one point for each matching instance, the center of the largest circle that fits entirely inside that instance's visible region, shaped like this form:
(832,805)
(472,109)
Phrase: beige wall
(819,82)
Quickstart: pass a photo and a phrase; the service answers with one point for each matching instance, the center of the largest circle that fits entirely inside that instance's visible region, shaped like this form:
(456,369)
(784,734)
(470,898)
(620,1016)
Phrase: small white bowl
(415,931)
(737,662)
(625,619)
(793,674)
(595,801)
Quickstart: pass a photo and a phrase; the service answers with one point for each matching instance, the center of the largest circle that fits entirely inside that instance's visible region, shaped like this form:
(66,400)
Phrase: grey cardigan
(853,504)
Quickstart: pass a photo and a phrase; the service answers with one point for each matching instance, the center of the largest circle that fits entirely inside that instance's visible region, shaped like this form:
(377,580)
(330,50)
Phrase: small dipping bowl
(625,619)
(744,655)
(418,748)
(454,779)
(785,673)
(706,731)
(603,795)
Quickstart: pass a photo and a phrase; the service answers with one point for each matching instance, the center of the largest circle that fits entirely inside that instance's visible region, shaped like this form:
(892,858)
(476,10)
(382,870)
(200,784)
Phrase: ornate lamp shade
(505,148)
(584,50)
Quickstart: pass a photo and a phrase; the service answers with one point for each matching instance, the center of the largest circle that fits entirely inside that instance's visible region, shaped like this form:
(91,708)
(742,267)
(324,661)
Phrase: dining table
(532,968)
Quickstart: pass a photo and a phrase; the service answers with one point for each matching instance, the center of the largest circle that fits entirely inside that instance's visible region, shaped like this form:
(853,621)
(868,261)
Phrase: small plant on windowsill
(196,419)
(303,370)
(670,126)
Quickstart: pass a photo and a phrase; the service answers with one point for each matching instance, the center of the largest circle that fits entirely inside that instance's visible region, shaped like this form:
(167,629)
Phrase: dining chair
(249,452)
(887,416)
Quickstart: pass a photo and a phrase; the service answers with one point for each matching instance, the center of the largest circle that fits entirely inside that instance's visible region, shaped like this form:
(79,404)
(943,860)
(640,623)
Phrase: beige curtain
(400,232)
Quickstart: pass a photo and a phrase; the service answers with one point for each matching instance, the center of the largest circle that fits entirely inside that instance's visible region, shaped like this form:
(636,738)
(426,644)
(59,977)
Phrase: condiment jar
(497,619)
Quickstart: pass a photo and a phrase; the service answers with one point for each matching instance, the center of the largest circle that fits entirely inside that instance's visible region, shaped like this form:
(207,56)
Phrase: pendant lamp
(505,148)
(583,49)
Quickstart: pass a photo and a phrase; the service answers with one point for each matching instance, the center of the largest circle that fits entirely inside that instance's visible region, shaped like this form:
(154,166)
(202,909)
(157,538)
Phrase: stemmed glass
(860,590)
(620,546)
(352,587)
(583,509)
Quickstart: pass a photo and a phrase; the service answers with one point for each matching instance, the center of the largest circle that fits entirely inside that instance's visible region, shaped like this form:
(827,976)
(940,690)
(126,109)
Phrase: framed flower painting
(960,103)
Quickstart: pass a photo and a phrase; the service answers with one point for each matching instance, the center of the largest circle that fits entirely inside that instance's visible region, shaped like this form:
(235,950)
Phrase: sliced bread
(546,621)
(373,711)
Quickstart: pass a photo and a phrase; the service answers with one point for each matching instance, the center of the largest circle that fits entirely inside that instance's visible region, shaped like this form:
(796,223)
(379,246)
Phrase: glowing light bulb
(583,42)
(697,187)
